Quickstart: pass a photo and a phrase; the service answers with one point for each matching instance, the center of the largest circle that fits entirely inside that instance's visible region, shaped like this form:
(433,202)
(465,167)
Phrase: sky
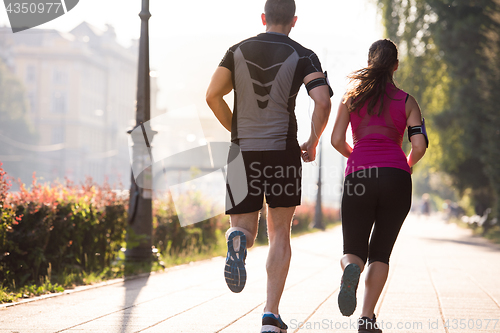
(189,38)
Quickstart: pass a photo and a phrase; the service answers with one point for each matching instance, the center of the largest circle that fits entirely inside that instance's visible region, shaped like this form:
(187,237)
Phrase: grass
(188,256)
(492,234)
(8,296)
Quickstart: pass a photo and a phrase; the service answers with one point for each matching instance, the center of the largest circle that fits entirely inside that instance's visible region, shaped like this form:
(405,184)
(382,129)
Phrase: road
(440,276)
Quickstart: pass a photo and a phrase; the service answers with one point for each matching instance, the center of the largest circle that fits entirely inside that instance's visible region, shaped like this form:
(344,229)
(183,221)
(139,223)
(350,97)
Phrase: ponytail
(370,83)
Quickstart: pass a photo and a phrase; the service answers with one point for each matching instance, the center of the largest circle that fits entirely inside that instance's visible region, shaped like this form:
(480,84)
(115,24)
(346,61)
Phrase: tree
(449,64)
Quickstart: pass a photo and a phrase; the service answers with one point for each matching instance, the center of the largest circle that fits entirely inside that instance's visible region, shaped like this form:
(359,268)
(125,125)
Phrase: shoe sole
(234,271)
(369,331)
(347,294)
(273,325)
(273,329)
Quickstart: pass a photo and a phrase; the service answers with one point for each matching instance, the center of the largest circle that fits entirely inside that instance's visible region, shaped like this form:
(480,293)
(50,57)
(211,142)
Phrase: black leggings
(380,197)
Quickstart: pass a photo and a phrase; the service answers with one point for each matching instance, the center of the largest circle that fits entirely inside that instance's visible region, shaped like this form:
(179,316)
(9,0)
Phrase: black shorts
(275,174)
(378,198)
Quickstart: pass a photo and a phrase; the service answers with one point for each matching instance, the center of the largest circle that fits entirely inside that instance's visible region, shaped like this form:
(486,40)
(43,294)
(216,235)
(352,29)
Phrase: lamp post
(318,214)
(140,214)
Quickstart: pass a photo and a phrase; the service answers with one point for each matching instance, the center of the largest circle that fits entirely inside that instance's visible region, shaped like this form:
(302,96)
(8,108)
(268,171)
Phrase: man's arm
(322,107)
(220,86)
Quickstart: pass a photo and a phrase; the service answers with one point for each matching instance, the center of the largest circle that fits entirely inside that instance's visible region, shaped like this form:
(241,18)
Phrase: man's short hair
(279,12)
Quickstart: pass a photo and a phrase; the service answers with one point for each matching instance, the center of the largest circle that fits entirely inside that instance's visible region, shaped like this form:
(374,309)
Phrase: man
(266,73)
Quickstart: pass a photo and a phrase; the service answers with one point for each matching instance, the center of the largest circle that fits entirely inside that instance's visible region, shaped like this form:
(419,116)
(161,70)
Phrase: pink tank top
(378,139)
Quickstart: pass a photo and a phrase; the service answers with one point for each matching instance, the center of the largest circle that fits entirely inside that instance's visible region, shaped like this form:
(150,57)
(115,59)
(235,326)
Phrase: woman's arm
(418,144)
(340,129)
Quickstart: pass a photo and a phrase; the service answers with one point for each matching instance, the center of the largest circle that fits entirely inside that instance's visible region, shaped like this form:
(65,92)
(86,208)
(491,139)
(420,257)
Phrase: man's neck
(280,29)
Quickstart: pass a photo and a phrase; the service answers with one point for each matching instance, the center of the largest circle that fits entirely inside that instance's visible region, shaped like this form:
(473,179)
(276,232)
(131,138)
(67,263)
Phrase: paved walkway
(440,275)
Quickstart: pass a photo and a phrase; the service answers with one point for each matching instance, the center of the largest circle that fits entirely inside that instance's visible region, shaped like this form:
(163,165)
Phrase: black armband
(413,130)
(323,81)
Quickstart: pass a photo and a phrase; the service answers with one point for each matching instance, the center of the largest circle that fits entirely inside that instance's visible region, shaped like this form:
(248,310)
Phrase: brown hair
(279,12)
(370,83)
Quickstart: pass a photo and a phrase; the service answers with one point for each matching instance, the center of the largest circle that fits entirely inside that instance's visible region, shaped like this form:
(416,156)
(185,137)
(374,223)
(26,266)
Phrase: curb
(101,284)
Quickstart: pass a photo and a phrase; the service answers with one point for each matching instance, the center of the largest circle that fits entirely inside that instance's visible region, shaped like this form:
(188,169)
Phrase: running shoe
(272,324)
(348,287)
(367,325)
(234,271)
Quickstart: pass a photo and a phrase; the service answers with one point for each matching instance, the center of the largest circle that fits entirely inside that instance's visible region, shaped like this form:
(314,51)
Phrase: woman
(377,188)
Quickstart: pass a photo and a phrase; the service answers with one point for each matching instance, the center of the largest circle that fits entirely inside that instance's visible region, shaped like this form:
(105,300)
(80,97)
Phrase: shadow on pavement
(481,242)
(133,288)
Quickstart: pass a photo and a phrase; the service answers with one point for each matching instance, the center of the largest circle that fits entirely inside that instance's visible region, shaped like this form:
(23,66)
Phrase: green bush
(171,238)
(72,232)
(70,228)
(7,220)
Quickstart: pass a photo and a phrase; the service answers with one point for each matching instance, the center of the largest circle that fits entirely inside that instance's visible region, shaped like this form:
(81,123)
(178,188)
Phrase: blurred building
(81,88)
(81,91)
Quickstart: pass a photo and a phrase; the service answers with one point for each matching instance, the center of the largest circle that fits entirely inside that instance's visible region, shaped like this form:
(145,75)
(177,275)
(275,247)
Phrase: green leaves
(449,64)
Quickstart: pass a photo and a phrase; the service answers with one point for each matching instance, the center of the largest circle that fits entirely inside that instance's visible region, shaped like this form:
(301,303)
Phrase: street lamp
(318,214)
(140,214)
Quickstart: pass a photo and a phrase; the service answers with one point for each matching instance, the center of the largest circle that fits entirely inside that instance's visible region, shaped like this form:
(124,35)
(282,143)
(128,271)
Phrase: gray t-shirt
(267,72)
